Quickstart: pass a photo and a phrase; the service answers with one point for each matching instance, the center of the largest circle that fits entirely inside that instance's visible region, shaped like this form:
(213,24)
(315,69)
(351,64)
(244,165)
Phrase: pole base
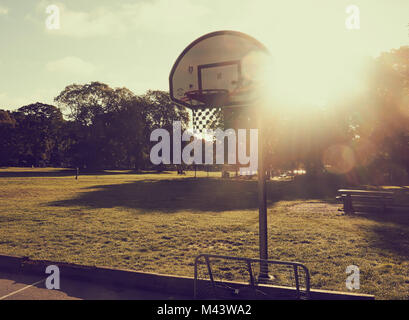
(265,278)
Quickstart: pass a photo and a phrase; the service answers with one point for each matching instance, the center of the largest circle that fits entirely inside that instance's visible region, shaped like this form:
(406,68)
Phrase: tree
(382,118)
(84,103)
(106,127)
(37,134)
(111,127)
(160,112)
(7,130)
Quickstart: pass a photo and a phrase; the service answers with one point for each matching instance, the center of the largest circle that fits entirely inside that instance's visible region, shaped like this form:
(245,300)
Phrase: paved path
(28,287)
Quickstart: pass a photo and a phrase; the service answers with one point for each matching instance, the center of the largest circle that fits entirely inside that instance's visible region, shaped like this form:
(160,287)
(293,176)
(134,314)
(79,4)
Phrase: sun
(313,79)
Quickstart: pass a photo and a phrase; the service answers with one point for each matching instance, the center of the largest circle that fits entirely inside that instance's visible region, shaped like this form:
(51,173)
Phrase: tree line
(363,136)
(92,126)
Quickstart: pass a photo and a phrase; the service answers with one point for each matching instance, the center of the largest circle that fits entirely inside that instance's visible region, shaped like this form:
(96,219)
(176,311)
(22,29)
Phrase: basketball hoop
(214,71)
(205,117)
(219,71)
(209,97)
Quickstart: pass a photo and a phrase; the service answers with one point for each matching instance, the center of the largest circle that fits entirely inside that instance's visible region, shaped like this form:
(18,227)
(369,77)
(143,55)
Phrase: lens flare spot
(339,159)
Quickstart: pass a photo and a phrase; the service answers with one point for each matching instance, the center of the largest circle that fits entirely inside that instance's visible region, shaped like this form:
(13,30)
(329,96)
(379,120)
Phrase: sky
(134,44)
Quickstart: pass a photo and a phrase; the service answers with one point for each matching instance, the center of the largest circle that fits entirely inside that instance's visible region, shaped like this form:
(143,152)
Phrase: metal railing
(259,286)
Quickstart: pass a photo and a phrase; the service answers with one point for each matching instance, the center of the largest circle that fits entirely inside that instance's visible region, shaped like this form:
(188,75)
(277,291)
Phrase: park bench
(364,200)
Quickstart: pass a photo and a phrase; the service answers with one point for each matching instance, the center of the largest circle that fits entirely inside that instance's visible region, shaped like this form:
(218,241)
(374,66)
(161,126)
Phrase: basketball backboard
(217,70)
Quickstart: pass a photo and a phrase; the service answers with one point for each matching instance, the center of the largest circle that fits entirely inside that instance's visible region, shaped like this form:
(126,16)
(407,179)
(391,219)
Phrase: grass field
(160,222)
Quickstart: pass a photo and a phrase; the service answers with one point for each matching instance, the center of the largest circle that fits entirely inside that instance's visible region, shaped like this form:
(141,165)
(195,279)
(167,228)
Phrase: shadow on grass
(392,238)
(203,194)
(391,233)
(38,173)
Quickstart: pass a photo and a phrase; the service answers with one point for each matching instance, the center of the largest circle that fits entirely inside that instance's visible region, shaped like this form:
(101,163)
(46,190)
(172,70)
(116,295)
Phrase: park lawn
(160,222)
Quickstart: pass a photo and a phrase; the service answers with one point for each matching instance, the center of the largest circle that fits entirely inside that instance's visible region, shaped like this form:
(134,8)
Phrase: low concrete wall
(148,281)
(11,263)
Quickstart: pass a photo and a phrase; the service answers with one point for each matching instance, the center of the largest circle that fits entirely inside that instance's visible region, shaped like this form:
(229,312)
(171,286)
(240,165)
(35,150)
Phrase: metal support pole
(262,202)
